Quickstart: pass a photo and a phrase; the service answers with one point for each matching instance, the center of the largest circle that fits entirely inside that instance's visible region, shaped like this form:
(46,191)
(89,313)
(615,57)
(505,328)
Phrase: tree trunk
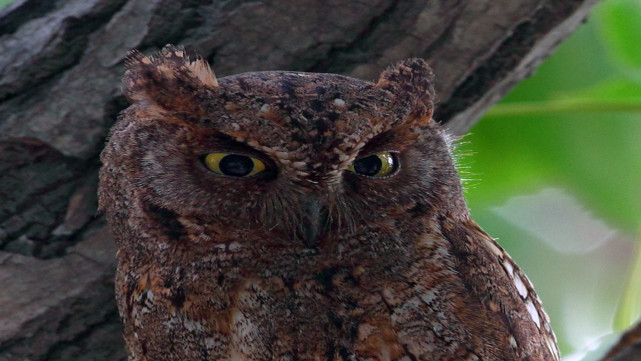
(60,67)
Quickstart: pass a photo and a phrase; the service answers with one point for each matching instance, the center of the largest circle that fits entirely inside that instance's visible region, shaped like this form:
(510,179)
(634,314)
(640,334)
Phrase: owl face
(282,157)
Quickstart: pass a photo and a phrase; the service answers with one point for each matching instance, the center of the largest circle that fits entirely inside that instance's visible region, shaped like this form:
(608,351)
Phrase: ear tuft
(169,79)
(411,75)
(411,81)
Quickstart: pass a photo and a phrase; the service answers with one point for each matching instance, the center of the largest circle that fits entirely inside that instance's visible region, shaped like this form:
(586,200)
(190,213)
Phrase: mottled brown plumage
(312,258)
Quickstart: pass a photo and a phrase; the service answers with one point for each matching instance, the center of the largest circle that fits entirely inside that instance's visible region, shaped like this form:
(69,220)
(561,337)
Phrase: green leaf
(615,89)
(629,310)
(621,27)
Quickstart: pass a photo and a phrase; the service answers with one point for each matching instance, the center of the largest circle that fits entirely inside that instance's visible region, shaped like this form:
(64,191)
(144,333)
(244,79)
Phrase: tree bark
(60,67)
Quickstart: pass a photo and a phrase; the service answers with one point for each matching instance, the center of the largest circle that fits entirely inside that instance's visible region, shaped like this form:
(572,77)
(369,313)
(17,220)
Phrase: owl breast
(332,303)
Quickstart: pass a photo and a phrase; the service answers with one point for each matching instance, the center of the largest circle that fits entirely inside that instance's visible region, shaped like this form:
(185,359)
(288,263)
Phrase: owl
(281,216)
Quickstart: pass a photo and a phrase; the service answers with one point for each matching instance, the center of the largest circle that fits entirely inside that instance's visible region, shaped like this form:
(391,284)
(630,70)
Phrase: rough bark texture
(60,66)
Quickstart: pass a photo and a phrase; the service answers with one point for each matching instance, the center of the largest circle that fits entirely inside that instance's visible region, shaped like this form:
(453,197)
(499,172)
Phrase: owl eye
(376,165)
(233,165)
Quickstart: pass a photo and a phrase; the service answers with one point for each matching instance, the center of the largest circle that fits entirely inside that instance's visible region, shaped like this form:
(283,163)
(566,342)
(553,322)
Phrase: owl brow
(385,141)
(222,142)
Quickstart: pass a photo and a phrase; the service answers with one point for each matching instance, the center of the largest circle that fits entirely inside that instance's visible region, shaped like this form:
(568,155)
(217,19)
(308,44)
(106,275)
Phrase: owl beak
(314,220)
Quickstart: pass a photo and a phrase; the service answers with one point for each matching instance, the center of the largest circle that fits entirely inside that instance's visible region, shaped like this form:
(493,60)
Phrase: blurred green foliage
(575,125)
(596,153)
(5,2)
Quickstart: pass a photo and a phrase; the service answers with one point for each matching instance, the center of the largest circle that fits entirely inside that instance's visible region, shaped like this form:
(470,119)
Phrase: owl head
(275,158)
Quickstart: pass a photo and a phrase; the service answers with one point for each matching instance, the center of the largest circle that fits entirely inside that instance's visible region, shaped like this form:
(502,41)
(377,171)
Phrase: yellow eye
(375,165)
(233,165)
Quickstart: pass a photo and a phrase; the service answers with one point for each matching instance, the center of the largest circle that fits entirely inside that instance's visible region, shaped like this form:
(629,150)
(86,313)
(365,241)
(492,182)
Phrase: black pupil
(369,166)
(236,165)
